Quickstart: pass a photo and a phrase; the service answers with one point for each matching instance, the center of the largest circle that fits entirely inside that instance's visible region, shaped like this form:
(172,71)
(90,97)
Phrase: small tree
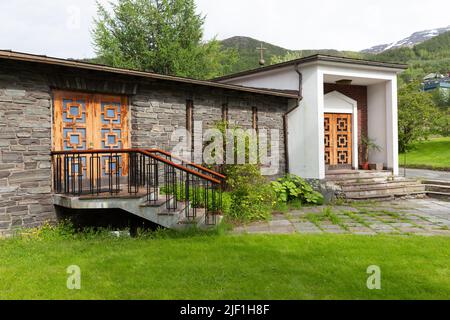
(367,145)
(163,36)
(417,115)
(441,98)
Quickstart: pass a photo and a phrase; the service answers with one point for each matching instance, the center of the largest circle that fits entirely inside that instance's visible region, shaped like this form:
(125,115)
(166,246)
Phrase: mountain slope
(433,49)
(412,40)
(431,55)
(249,55)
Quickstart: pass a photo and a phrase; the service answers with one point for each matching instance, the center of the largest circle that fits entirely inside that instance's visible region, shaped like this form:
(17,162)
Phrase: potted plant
(368,144)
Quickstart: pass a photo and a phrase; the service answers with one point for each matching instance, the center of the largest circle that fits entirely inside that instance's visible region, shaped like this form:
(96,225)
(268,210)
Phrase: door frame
(338,103)
(92,97)
(93,102)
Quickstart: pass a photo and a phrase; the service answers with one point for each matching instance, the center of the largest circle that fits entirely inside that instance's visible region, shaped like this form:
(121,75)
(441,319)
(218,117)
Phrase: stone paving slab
(297,213)
(277,217)
(333,229)
(411,230)
(426,217)
(383,228)
(280,223)
(365,233)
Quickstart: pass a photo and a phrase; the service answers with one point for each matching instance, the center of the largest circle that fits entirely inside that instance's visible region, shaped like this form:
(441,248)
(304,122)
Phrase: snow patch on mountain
(412,40)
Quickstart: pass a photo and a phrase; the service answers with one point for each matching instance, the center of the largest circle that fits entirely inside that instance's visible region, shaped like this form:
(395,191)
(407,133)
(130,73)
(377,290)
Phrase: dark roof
(313,58)
(20,56)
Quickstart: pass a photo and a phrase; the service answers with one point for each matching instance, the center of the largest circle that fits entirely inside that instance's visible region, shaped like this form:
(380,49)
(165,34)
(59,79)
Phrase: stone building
(49,104)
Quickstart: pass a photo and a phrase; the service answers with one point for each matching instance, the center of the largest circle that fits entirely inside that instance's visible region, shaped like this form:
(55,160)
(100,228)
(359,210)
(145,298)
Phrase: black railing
(146,173)
(188,164)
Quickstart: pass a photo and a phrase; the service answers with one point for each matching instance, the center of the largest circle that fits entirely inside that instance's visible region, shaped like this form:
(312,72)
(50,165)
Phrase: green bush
(293,188)
(250,193)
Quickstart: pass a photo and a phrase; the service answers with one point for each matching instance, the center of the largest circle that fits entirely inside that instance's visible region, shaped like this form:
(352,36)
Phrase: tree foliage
(418,115)
(163,36)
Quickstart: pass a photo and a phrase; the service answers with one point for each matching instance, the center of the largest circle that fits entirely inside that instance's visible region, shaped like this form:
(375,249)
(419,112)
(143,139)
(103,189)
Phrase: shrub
(248,195)
(418,116)
(251,195)
(293,188)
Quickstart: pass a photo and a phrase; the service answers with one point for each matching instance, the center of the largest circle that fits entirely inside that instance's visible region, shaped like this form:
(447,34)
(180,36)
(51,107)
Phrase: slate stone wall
(25,143)
(157,108)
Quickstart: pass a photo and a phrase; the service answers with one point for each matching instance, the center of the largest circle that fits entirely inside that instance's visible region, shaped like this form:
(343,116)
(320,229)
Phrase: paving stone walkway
(427,174)
(427,217)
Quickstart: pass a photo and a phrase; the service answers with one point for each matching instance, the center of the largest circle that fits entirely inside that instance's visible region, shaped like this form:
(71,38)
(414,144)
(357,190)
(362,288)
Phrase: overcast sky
(62,28)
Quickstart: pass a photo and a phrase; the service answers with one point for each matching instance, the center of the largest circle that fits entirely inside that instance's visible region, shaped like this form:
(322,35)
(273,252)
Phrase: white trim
(348,66)
(352,110)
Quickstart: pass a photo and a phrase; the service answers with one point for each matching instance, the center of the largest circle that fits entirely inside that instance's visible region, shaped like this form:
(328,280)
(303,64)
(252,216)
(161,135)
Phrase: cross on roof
(261,50)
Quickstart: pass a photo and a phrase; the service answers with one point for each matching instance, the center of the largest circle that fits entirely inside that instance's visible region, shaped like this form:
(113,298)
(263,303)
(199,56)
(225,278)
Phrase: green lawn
(432,154)
(227,267)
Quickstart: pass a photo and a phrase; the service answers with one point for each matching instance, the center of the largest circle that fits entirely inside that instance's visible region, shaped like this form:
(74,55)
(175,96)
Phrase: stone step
(158,203)
(439,195)
(378,185)
(179,210)
(378,197)
(336,176)
(363,180)
(199,221)
(386,191)
(438,188)
(436,182)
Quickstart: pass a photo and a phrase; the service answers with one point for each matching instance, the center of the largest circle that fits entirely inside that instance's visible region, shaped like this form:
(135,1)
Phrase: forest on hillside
(430,56)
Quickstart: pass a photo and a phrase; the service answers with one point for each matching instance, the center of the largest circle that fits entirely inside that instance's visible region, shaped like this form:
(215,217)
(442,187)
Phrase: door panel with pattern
(86,121)
(338,140)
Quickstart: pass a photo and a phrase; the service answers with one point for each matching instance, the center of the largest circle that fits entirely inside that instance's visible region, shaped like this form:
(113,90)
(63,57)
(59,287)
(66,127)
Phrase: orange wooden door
(86,121)
(338,139)
(110,130)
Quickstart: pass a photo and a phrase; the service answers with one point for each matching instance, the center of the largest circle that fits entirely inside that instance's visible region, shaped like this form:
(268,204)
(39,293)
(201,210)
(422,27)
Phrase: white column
(392,125)
(306,132)
(376,122)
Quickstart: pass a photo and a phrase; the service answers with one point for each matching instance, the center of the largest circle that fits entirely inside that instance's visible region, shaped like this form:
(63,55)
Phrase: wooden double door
(91,122)
(338,140)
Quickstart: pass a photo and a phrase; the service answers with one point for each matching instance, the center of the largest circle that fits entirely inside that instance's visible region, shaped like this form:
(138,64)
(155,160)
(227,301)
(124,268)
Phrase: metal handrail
(199,167)
(149,152)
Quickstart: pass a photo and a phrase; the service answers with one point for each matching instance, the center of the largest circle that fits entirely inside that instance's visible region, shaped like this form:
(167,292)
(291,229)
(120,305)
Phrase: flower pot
(365,166)
(376,166)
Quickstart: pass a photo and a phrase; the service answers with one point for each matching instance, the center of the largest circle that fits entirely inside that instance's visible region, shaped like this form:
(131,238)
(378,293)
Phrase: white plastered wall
(305,128)
(383,123)
(281,79)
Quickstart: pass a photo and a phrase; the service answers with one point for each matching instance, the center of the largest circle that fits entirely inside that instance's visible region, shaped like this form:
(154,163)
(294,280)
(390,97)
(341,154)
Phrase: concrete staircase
(437,189)
(372,185)
(154,211)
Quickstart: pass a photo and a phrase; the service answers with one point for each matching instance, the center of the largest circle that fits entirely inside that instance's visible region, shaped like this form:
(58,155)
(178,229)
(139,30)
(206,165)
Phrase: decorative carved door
(338,140)
(86,121)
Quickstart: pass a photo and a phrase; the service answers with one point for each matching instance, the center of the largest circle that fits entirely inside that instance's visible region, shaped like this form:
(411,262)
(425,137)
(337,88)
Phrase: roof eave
(397,67)
(19,56)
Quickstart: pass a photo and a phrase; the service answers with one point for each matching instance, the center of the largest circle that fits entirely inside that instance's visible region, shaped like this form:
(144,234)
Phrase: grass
(431,154)
(220,266)
(283,207)
(357,218)
(327,214)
